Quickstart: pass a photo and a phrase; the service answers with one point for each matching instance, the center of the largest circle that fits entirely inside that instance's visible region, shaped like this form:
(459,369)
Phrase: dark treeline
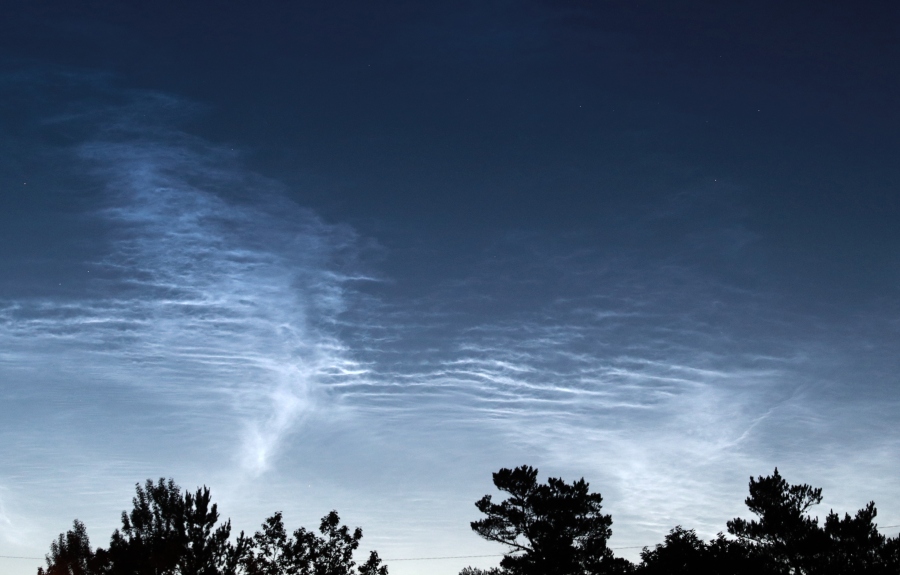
(169,532)
(557,528)
(552,528)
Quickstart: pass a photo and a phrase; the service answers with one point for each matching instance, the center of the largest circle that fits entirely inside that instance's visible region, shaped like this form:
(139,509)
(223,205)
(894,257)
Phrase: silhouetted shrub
(170,533)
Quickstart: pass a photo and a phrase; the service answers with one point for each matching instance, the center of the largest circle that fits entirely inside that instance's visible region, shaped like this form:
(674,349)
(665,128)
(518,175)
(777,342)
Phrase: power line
(447,557)
(503,554)
(432,558)
(492,555)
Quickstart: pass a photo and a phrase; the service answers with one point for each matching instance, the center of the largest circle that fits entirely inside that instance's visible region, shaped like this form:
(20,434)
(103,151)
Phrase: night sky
(359,255)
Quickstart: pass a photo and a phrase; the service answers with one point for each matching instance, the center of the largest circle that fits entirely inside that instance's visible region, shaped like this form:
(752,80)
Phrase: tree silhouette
(783,540)
(784,534)
(683,553)
(170,533)
(71,553)
(855,546)
(554,528)
(273,552)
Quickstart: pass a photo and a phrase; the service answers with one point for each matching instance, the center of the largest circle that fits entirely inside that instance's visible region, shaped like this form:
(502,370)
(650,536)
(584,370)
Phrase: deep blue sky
(358,256)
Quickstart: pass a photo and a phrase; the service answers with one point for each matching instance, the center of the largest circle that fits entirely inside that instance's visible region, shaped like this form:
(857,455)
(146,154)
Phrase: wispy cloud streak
(214,309)
(215,292)
(664,378)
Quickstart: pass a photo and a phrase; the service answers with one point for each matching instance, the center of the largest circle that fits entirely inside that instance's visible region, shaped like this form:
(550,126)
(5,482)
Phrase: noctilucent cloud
(358,256)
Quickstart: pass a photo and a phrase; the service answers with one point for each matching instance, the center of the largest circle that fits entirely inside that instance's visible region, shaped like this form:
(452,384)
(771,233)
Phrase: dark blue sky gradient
(651,243)
(455,122)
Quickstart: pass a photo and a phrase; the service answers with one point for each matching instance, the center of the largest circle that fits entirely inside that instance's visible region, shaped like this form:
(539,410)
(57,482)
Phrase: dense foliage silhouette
(273,552)
(552,528)
(169,532)
(71,553)
(788,541)
(557,529)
